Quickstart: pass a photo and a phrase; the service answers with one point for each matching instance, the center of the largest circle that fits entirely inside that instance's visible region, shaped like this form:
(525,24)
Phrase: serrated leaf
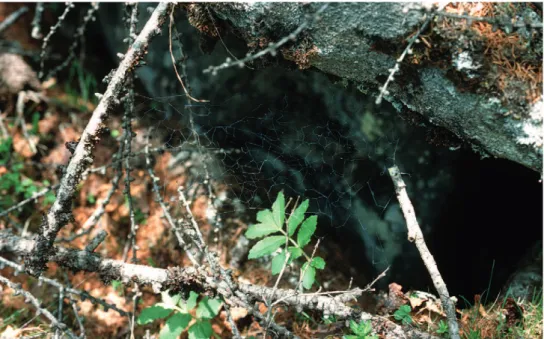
(208,308)
(267,226)
(306,231)
(152,313)
(318,263)
(200,330)
(170,300)
(296,217)
(278,210)
(174,326)
(295,253)
(309,276)
(277,263)
(266,246)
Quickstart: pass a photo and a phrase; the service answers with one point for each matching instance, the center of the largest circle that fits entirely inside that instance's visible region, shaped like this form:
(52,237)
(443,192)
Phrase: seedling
(275,222)
(177,313)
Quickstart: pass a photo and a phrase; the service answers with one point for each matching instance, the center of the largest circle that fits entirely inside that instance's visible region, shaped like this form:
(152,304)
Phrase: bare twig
(75,40)
(52,31)
(36,29)
(26,201)
(12,18)
(29,298)
(80,294)
(271,49)
(416,235)
(173,224)
(60,213)
(407,50)
(174,59)
(127,140)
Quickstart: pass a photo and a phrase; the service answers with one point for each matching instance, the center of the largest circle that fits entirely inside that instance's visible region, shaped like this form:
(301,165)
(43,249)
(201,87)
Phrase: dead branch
(416,235)
(12,18)
(61,211)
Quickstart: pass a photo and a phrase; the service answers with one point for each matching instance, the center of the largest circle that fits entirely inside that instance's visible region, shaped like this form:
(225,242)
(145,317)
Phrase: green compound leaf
(296,218)
(266,246)
(190,303)
(403,314)
(170,300)
(306,231)
(318,263)
(208,308)
(278,210)
(152,313)
(277,263)
(309,276)
(174,326)
(295,253)
(200,330)
(266,226)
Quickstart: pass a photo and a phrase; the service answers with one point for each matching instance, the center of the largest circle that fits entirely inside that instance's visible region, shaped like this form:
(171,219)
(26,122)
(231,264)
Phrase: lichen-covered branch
(61,211)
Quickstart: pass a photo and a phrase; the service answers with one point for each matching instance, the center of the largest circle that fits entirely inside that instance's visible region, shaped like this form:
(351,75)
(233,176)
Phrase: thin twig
(12,18)
(80,32)
(34,197)
(271,49)
(36,29)
(52,31)
(416,235)
(174,59)
(29,298)
(60,213)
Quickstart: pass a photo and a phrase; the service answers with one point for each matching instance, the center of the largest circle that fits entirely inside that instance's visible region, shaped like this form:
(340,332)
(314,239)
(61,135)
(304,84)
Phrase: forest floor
(32,150)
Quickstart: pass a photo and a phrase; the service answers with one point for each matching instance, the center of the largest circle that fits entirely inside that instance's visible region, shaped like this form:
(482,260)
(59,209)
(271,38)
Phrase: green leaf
(191,301)
(200,330)
(354,326)
(278,210)
(277,263)
(318,263)
(306,231)
(296,217)
(152,313)
(170,300)
(174,326)
(267,226)
(266,246)
(208,308)
(403,314)
(295,253)
(309,276)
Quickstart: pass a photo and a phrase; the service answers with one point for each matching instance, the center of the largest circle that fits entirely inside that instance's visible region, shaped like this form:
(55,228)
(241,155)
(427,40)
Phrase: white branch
(61,211)
(415,235)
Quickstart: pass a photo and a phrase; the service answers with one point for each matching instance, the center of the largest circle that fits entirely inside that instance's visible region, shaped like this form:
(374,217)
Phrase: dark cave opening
(489,222)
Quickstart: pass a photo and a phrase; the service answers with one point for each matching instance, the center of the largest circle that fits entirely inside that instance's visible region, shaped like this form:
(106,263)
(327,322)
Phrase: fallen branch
(61,211)
(415,235)
(199,279)
(12,18)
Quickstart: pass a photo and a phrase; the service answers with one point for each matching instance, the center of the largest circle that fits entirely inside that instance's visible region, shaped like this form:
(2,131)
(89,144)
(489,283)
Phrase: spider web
(243,155)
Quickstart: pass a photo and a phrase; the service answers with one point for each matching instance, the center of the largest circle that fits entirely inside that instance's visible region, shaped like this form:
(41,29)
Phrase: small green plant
(442,327)
(86,84)
(403,314)
(474,334)
(275,222)
(360,330)
(35,123)
(91,199)
(177,313)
